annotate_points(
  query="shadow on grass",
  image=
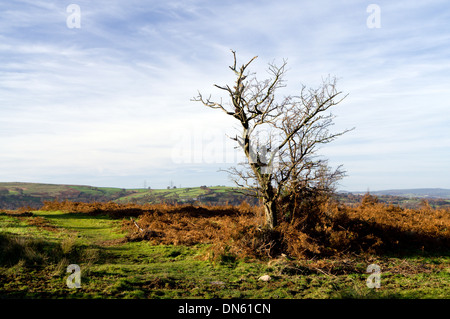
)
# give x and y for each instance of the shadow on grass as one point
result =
(38, 252)
(393, 241)
(364, 293)
(66, 216)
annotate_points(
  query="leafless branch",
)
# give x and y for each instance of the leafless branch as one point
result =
(301, 122)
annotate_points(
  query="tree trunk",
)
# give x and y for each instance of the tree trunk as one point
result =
(268, 197)
(271, 213)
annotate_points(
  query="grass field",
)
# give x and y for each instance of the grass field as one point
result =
(36, 250)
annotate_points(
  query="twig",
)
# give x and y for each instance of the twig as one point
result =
(136, 224)
(323, 272)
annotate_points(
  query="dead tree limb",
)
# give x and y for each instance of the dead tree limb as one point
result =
(136, 224)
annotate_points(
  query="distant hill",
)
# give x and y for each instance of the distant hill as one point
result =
(16, 195)
(413, 193)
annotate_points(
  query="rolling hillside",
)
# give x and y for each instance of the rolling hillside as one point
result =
(16, 195)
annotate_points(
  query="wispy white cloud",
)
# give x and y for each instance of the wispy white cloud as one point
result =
(110, 99)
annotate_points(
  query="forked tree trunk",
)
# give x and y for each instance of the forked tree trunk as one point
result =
(300, 121)
(268, 200)
(270, 213)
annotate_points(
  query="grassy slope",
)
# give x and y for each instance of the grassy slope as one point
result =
(51, 191)
(187, 193)
(111, 269)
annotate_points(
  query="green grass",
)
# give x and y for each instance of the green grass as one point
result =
(89, 229)
(187, 193)
(114, 269)
(106, 191)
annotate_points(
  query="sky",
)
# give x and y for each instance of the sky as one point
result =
(100, 92)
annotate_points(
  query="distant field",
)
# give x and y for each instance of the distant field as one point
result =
(16, 195)
(180, 194)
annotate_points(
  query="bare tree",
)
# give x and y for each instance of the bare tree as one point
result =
(285, 158)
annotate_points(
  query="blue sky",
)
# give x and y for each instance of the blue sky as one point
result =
(109, 103)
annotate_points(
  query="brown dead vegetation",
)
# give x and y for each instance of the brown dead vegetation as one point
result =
(42, 223)
(328, 229)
